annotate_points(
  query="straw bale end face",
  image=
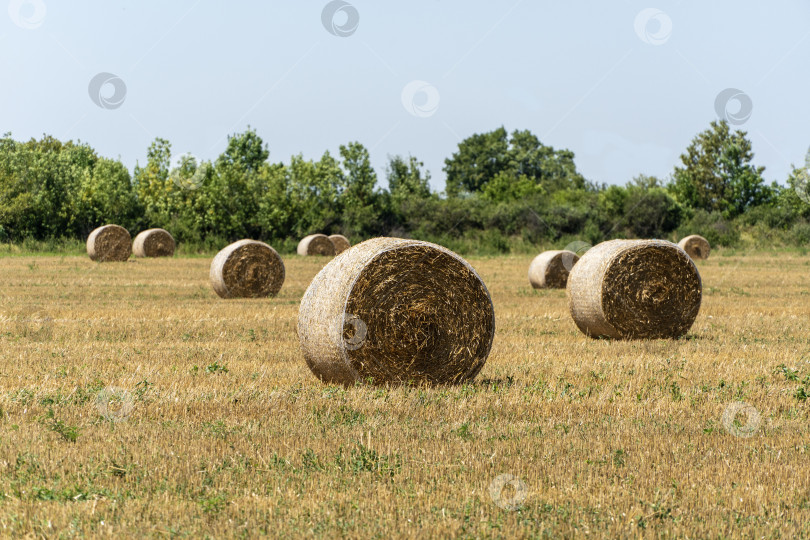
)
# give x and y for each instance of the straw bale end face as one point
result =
(340, 243)
(635, 289)
(153, 243)
(550, 269)
(109, 243)
(390, 310)
(695, 246)
(316, 244)
(247, 269)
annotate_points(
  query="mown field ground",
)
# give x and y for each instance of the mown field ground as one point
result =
(134, 402)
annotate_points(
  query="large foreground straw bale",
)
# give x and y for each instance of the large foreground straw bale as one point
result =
(634, 289)
(153, 243)
(550, 269)
(390, 310)
(316, 244)
(247, 269)
(696, 246)
(340, 242)
(109, 243)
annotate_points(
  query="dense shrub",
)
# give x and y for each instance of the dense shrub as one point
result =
(713, 227)
(505, 193)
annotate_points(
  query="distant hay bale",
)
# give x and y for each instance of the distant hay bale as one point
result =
(316, 244)
(696, 246)
(391, 310)
(550, 269)
(247, 269)
(340, 242)
(634, 289)
(109, 243)
(153, 243)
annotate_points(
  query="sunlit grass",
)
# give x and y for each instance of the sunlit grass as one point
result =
(214, 424)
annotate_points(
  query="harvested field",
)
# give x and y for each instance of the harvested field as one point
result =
(134, 402)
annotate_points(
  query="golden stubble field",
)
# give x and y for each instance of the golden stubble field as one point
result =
(134, 402)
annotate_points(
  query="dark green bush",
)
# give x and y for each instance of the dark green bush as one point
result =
(713, 227)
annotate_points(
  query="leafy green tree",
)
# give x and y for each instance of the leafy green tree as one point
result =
(275, 214)
(50, 189)
(407, 196)
(19, 191)
(221, 203)
(406, 179)
(641, 209)
(649, 210)
(154, 189)
(314, 188)
(482, 157)
(612, 201)
(479, 158)
(358, 199)
(552, 169)
(105, 195)
(229, 196)
(505, 188)
(505, 191)
(245, 150)
(717, 173)
(796, 196)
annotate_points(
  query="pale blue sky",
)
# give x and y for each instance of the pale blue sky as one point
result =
(577, 74)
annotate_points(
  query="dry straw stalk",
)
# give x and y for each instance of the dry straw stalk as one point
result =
(153, 243)
(316, 244)
(340, 242)
(696, 246)
(391, 310)
(634, 289)
(109, 243)
(247, 269)
(550, 269)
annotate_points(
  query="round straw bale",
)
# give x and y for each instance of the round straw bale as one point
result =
(634, 289)
(153, 243)
(109, 243)
(247, 269)
(695, 246)
(316, 244)
(340, 242)
(550, 269)
(391, 310)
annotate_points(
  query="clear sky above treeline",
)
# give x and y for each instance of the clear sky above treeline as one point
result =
(625, 84)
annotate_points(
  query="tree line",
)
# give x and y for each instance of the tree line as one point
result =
(504, 192)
